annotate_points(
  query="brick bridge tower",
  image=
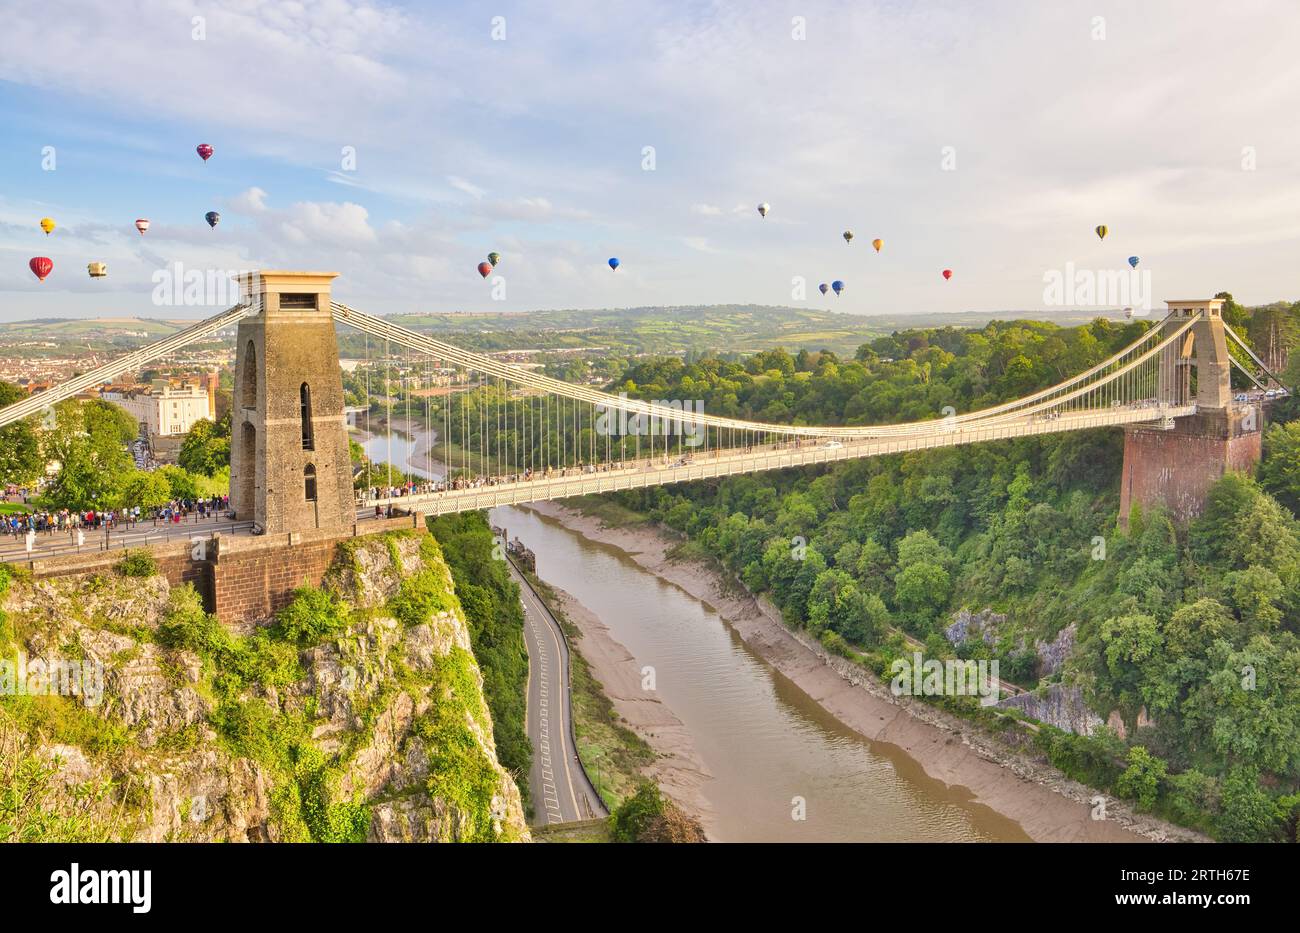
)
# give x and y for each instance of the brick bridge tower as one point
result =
(1177, 466)
(290, 469)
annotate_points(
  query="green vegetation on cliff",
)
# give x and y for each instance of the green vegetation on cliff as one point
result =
(356, 714)
(490, 600)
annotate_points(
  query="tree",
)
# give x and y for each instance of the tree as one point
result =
(20, 449)
(1130, 649)
(922, 585)
(206, 448)
(1141, 780)
(1248, 815)
(88, 441)
(1279, 472)
(180, 483)
(145, 490)
(921, 589)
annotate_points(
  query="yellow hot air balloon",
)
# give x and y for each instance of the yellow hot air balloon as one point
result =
(47, 224)
(877, 243)
(97, 270)
(1101, 231)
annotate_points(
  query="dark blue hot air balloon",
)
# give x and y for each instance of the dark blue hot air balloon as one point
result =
(613, 262)
(838, 286)
(1133, 261)
(824, 288)
(213, 218)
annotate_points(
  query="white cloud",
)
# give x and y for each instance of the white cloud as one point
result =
(461, 184)
(249, 201)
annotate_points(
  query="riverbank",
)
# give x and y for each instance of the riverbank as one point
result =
(1048, 806)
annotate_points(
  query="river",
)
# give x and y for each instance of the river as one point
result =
(406, 445)
(763, 739)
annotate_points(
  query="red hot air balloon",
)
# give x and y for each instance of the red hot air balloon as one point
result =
(204, 151)
(947, 273)
(142, 225)
(41, 267)
(485, 269)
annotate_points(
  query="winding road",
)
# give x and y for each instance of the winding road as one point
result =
(560, 789)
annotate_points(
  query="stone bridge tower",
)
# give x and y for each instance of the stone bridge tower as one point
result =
(290, 469)
(1177, 465)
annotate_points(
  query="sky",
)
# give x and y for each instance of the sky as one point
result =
(987, 138)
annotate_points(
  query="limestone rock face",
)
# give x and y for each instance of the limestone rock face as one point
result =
(377, 731)
(1057, 705)
(967, 625)
(1053, 654)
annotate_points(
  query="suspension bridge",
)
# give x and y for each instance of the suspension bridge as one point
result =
(511, 435)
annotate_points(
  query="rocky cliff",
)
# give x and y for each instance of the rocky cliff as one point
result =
(356, 714)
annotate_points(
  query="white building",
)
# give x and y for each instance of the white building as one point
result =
(170, 409)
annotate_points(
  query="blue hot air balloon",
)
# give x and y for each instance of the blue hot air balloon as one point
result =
(838, 286)
(824, 288)
(213, 218)
(1133, 261)
(613, 262)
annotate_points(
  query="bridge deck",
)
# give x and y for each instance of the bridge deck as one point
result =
(714, 463)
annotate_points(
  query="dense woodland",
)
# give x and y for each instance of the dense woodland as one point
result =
(1196, 627)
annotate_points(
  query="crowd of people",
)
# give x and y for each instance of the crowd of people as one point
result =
(52, 521)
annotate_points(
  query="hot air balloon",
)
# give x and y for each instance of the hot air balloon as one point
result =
(485, 269)
(877, 243)
(213, 218)
(1101, 231)
(1133, 261)
(142, 225)
(838, 286)
(1128, 312)
(204, 151)
(763, 209)
(494, 258)
(97, 270)
(47, 224)
(848, 236)
(613, 262)
(41, 267)
(824, 288)
(947, 273)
